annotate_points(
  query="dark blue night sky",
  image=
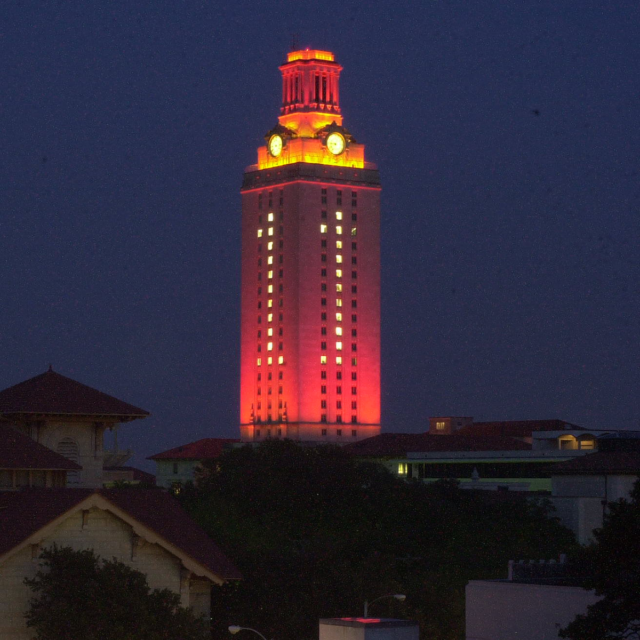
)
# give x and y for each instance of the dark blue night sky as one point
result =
(508, 141)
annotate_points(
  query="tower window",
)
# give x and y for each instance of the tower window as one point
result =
(323, 418)
(339, 214)
(354, 317)
(339, 390)
(323, 228)
(323, 346)
(280, 361)
(323, 196)
(354, 361)
(354, 303)
(323, 286)
(354, 217)
(323, 331)
(339, 230)
(338, 273)
(280, 376)
(354, 391)
(259, 233)
(338, 404)
(323, 359)
(339, 197)
(339, 316)
(354, 232)
(270, 217)
(354, 260)
(323, 375)
(323, 315)
(323, 244)
(259, 201)
(323, 273)
(323, 389)
(323, 214)
(323, 257)
(354, 333)
(338, 359)
(354, 405)
(338, 375)
(323, 404)
(354, 246)
(354, 288)
(323, 302)
(339, 259)
(354, 275)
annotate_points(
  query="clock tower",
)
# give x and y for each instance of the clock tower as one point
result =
(310, 326)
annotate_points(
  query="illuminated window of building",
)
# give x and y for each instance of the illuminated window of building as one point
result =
(440, 426)
(270, 246)
(269, 360)
(354, 361)
(270, 231)
(339, 316)
(323, 359)
(270, 260)
(568, 442)
(339, 259)
(338, 244)
(338, 287)
(270, 274)
(269, 317)
(338, 302)
(354, 375)
(338, 331)
(270, 289)
(259, 233)
(339, 346)
(338, 359)
(280, 361)
(402, 469)
(269, 346)
(338, 215)
(270, 217)
(323, 228)
(354, 391)
(354, 231)
(269, 303)
(259, 362)
(338, 273)
(339, 230)
(587, 443)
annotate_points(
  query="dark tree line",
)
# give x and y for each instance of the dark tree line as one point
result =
(316, 533)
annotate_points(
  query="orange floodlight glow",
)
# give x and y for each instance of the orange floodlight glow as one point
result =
(310, 54)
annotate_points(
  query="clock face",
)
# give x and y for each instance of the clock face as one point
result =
(335, 143)
(275, 145)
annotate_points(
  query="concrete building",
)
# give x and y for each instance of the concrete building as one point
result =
(533, 603)
(146, 530)
(181, 464)
(69, 418)
(310, 310)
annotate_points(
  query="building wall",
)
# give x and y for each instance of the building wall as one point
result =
(498, 610)
(166, 477)
(110, 537)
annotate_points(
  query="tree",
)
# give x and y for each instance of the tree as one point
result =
(78, 596)
(315, 533)
(611, 567)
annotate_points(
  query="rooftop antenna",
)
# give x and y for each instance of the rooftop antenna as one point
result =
(295, 44)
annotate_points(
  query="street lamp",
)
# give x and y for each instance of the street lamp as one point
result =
(234, 628)
(398, 596)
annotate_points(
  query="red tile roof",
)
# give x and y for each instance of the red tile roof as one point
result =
(51, 393)
(514, 428)
(399, 444)
(204, 449)
(601, 462)
(18, 451)
(23, 513)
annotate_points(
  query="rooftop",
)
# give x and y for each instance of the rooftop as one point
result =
(601, 462)
(515, 428)
(53, 394)
(18, 451)
(204, 449)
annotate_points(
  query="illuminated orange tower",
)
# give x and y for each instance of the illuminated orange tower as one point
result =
(310, 335)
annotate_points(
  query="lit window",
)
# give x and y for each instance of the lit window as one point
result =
(270, 231)
(323, 359)
(339, 230)
(269, 331)
(338, 273)
(270, 217)
(269, 360)
(338, 215)
(338, 302)
(339, 317)
(270, 246)
(353, 231)
(270, 260)
(338, 359)
(259, 233)
(323, 228)
(338, 331)
(402, 469)
(338, 287)
(269, 274)
(280, 359)
(440, 426)
(338, 244)
(259, 362)
(270, 288)
(339, 259)
(354, 361)
(339, 346)
(269, 346)
(270, 317)
(269, 303)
